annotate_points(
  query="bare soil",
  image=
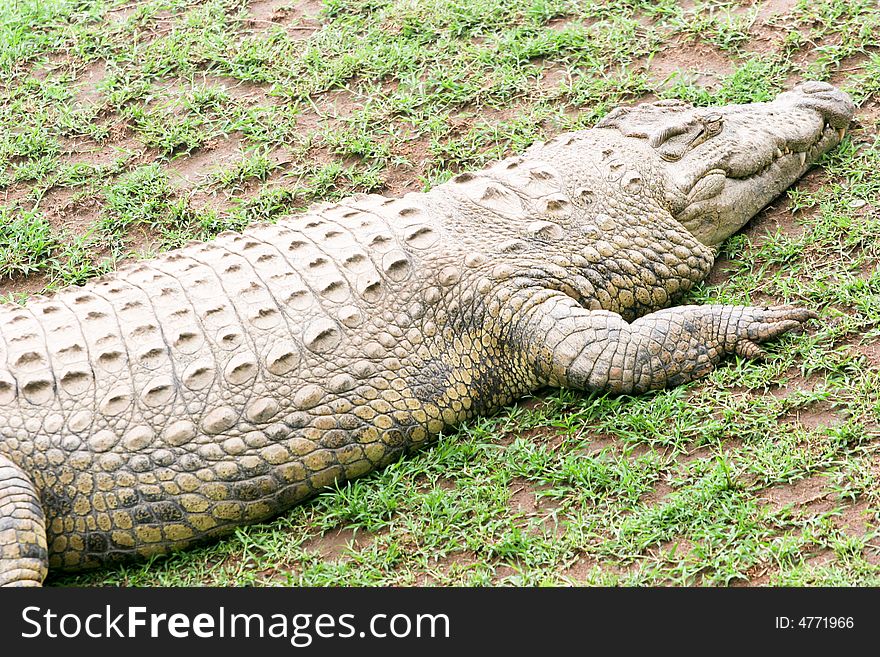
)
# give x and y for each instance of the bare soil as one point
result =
(796, 494)
(336, 542)
(526, 498)
(193, 168)
(696, 62)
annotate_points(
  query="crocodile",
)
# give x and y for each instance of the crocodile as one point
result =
(221, 383)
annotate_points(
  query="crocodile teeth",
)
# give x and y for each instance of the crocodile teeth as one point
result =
(841, 133)
(778, 153)
(803, 156)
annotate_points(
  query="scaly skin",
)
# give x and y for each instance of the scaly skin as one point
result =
(224, 382)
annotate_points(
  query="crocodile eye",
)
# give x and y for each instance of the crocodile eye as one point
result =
(713, 123)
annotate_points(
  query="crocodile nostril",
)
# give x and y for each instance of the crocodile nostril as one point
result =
(834, 105)
(814, 87)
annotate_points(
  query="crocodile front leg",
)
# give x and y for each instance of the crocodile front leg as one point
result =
(599, 351)
(23, 553)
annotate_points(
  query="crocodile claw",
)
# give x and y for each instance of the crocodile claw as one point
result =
(769, 323)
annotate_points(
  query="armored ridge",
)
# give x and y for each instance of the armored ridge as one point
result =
(224, 382)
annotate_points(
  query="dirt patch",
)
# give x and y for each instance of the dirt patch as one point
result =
(44, 68)
(472, 114)
(695, 62)
(336, 542)
(803, 492)
(581, 571)
(635, 451)
(871, 352)
(302, 21)
(539, 435)
(600, 442)
(758, 575)
(675, 549)
(308, 122)
(84, 150)
(502, 572)
(268, 10)
(192, 169)
(660, 492)
(121, 143)
(251, 93)
(218, 200)
(773, 8)
(16, 194)
(776, 219)
(597, 444)
(158, 26)
(526, 498)
(794, 383)
(89, 80)
(122, 14)
(196, 169)
(582, 568)
(809, 57)
(337, 103)
(424, 485)
(868, 120)
(446, 484)
(721, 271)
(26, 285)
(299, 19)
(141, 239)
(768, 28)
(211, 196)
(847, 67)
(403, 178)
(814, 416)
(454, 563)
(857, 519)
(553, 78)
(562, 22)
(398, 180)
(703, 452)
(820, 558)
(68, 212)
(871, 552)
(531, 403)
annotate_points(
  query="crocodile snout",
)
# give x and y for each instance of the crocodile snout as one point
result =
(835, 106)
(760, 150)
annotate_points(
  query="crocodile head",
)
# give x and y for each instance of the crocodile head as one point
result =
(716, 167)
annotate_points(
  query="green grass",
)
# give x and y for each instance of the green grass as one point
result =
(128, 128)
